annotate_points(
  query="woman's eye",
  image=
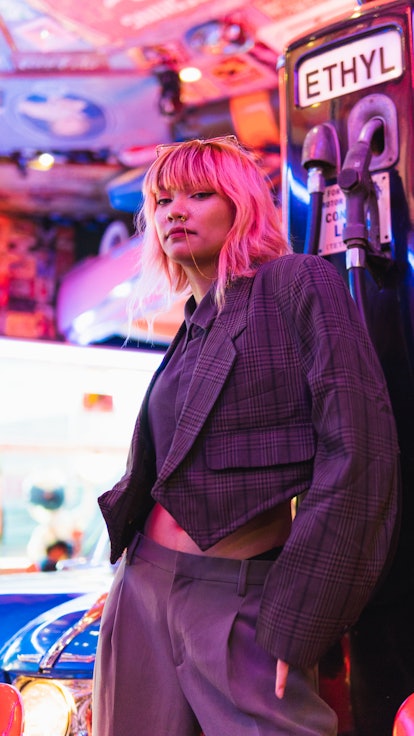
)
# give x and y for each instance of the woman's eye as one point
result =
(163, 200)
(202, 195)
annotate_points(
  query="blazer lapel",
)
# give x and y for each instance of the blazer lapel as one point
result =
(210, 373)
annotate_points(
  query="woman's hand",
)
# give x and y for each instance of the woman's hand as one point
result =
(282, 670)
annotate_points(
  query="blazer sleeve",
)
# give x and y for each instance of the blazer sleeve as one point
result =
(343, 531)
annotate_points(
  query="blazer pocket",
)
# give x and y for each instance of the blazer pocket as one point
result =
(260, 447)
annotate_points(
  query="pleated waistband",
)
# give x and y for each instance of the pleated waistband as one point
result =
(201, 567)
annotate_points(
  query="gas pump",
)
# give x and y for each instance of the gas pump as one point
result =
(347, 140)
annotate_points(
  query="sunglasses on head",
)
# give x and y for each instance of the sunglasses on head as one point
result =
(204, 141)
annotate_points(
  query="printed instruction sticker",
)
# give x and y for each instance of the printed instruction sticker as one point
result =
(334, 215)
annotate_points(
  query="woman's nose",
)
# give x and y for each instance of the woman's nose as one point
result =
(174, 215)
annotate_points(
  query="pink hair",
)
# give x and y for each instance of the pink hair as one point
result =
(225, 167)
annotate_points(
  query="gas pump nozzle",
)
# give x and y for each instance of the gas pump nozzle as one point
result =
(355, 181)
(321, 158)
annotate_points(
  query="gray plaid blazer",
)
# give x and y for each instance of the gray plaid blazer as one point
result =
(287, 396)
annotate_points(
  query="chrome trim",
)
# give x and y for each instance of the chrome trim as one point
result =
(32, 658)
(49, 659)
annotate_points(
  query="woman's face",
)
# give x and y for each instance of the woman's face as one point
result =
(192, 227)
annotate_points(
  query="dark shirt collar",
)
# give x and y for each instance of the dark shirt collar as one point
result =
(201, 314)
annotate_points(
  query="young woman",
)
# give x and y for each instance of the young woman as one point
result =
(222, 605)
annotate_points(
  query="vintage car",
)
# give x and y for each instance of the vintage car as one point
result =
(50, 662)
(48, 635)
(25, 595)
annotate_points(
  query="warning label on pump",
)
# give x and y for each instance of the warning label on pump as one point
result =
(334, 215)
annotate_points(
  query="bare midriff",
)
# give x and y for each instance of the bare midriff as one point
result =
(262, 533)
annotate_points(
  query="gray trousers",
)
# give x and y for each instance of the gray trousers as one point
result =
(177, 654)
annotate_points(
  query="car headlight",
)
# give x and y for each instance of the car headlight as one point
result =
(47, 709)
(55, 707)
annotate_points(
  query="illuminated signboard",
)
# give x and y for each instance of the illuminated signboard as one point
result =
(363, 62)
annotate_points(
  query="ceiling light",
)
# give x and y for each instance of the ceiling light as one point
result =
(190, 74)
(43, 162)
